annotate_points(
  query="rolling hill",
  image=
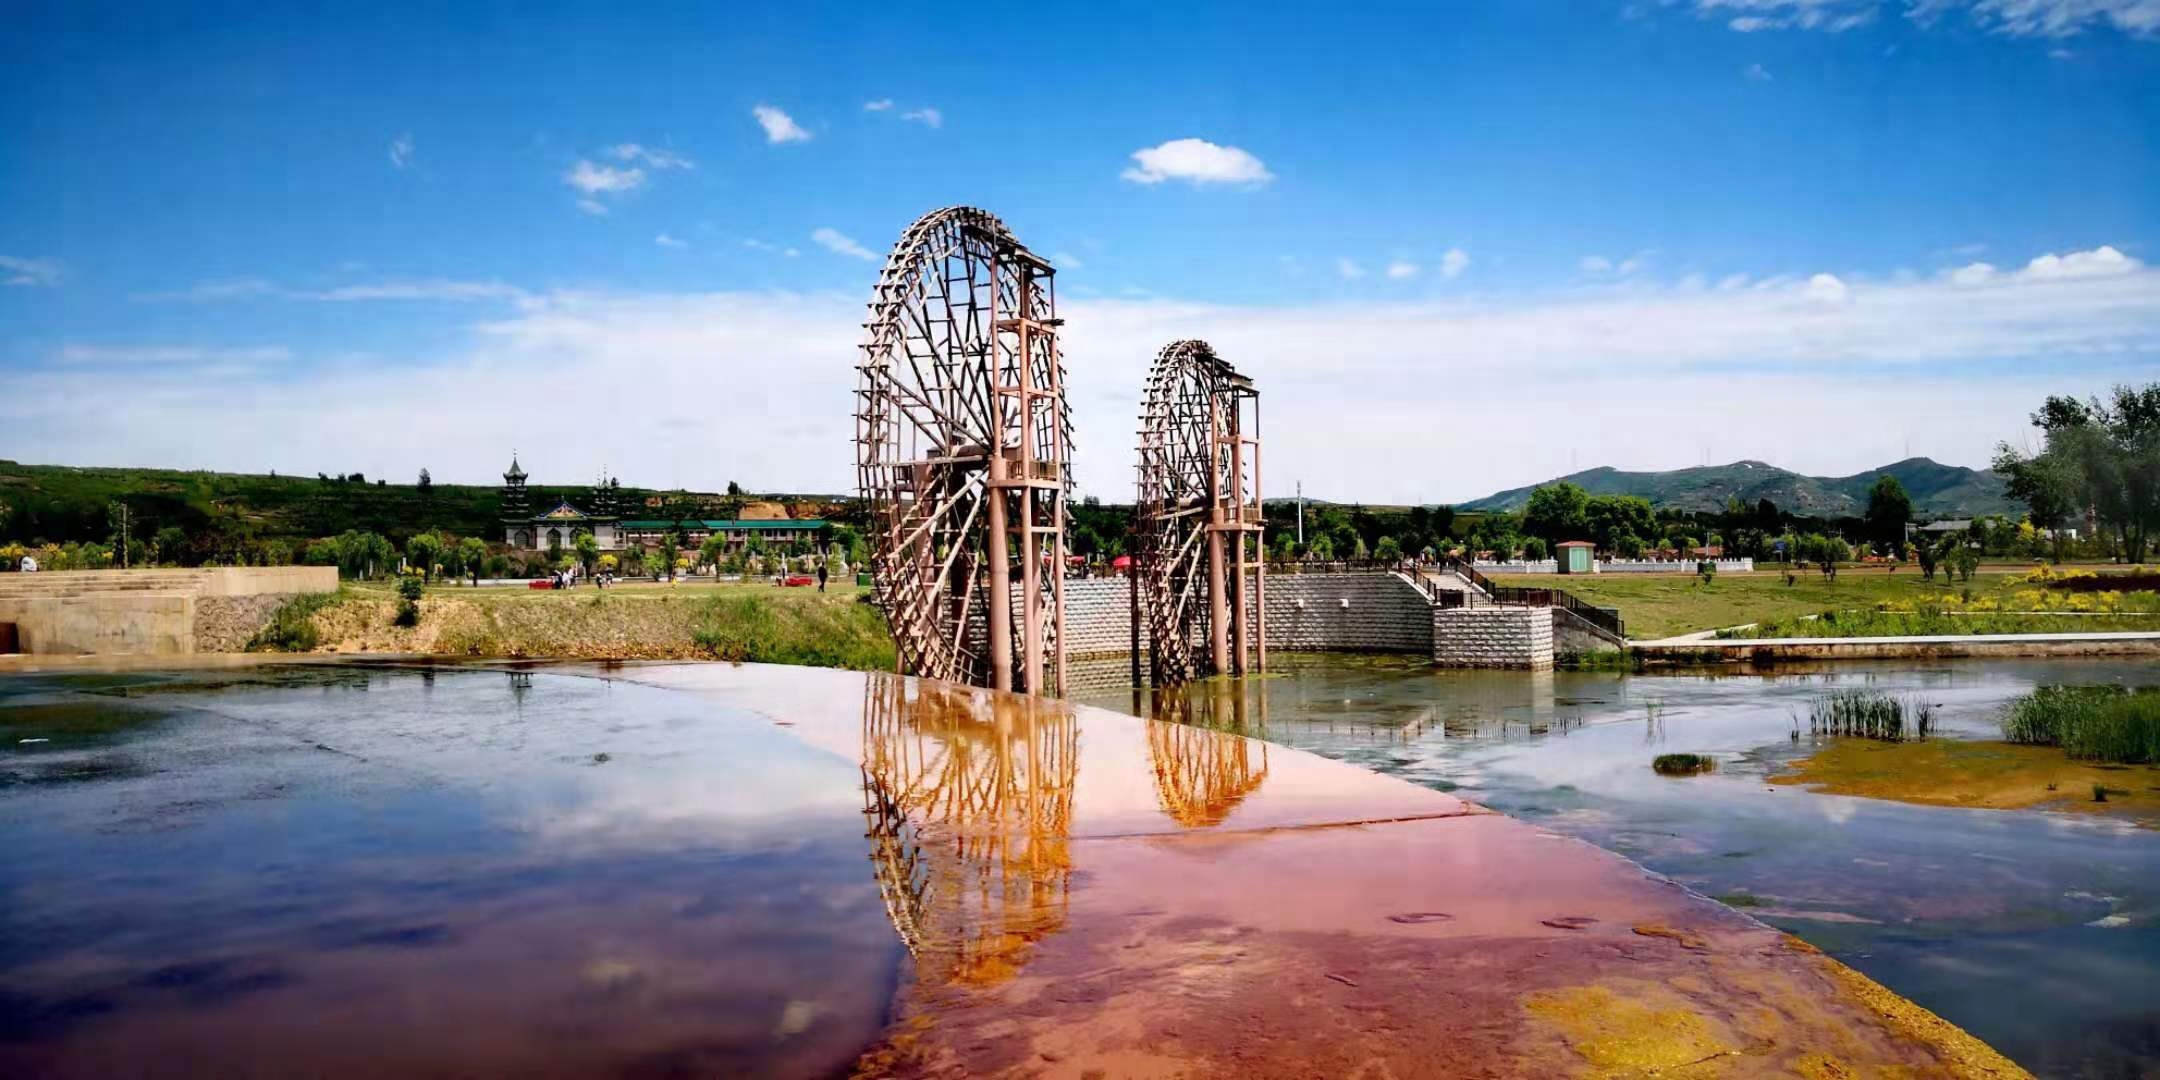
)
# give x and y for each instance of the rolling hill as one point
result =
(1937, 490)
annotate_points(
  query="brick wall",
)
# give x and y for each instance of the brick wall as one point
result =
(1495, 637)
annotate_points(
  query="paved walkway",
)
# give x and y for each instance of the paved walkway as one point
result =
(1086, 894)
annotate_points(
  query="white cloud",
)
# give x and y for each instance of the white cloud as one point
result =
(1401, 269)
(433, 289)
(1454, 263)
(658, 159)
(1827, 289)
(1349, 269)
(1916, 358)
(1594, 264)
(927, 117)
(401, 151)
(1757, 73)
(1733, 281)
(181, 355)
(430, 289)
(1766, 369)
(2103, 261)
(1066, 260)
(1197, 162)
(2058, 18)
(779, 126)
(2014, 18)
(17, 270)
(598, 180)
(834, 241)
(666, 241)
(1751, 16)
(880, 105)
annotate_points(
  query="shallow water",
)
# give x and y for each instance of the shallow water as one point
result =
(2039, 932)
(312, 871)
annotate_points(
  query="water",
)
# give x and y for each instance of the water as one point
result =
(2038, 932)
(320, 871)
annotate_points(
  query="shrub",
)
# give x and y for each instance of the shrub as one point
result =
(409, 591)
(292, 626)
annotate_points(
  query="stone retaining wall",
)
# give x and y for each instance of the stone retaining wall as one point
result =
(228, 623)
(1494, 637)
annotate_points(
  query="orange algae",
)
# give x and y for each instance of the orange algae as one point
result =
(1978, 774)
(1649, 1033)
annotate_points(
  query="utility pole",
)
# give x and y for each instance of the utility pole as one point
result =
(1301, 513)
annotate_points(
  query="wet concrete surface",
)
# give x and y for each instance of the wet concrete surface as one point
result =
(694, 869)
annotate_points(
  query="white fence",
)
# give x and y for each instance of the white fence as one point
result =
(1619, 566)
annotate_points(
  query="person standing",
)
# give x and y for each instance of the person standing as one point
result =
(821, 576)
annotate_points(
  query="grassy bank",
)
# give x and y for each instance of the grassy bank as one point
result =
(1665, 605)
(749, 622)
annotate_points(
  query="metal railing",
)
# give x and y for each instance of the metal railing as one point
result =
(1521, 596)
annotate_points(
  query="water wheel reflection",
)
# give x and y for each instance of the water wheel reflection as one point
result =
(968, 801)
(1201, 773)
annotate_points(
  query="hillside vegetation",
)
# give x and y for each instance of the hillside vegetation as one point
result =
(60, 503)
(1937, 490)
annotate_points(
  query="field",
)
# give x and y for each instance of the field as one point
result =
(747, 622)
(1665, 605)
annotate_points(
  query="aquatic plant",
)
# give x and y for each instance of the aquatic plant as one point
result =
(1868, 714)
(2091, 723)
(1683, 764)
(2100, 793)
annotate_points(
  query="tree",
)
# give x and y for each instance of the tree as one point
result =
(422, 551)
(2104, 454)
(1925, 552)
(1533, 548)
(1889, 510)
(713, 551)
(670, 547)
(1389, 550)
(1557, 512)
(472, 553)
(1619, 523)
(427, 484)
(2047, 484)
(169, 546)
(588, 550)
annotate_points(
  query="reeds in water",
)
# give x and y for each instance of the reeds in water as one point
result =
(2093, 723)
(1869, 714)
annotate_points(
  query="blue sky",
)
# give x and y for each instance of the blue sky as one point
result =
(1815, 232)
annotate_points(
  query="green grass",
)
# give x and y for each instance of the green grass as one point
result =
(1665, 605)
(2090, 723)
(758, 629)
(1924, 623)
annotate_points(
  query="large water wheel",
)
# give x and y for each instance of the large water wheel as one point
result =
(962, 449)
(1198, 574)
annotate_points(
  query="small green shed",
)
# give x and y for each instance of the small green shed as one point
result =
(1576, 556)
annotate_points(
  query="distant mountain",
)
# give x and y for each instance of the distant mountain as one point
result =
(1937, 490)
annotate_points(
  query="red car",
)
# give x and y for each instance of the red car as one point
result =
(797, 580)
